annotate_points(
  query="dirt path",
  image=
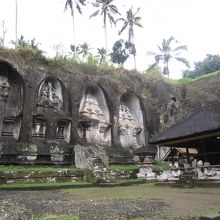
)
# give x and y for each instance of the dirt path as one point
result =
(142, 201)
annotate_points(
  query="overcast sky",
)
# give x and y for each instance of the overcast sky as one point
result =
(194, 23)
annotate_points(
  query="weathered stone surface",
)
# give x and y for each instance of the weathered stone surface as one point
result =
(84, 155)
(146, 173)
(42, 104)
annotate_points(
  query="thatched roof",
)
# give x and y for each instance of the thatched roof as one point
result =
(201, 122)
(149, 150)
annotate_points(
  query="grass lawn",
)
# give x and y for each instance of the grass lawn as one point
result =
(6, 168)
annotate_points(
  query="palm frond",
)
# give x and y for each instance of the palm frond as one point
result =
(158, 58)
(82, 2)
(78, 8)
(160, 49)
(152, 66)
(69, 4)
(94, 14)
(182, 47)
(111, 19)
(119, 19)
(138, 24)
(114, 9)
(183, 60)
(170, 40)
(123, 28)
(95, 4)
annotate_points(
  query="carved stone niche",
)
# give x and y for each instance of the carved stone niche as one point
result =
(11, 101)
(130, 122)
(63, 130)
(4, 87)
(50, 95)
(11, 126)
(94, 119)
(39, 127)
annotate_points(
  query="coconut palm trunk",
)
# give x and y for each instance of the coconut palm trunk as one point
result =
(16, 21)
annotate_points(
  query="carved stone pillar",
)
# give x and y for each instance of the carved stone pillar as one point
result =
(4, 94)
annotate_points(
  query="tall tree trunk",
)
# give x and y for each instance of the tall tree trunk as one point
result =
(106, 41)
(2, 43)
(135, 64)
(16, 21)
(74, 35)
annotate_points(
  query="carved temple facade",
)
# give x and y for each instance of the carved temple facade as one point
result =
(42, 118)
(56, 117)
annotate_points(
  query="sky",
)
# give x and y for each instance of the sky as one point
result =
(194, 23)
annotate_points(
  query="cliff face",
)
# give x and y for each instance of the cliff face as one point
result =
(47, 111)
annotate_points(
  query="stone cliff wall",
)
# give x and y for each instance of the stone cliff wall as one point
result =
(46, 111)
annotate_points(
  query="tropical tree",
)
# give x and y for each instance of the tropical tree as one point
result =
(209, 64)
(102, 56)
(167, 53)
(129, 23)
(72, 4)
(74, 51)
(2, 39)
(121, 51)
(107, 10)
(84, 50)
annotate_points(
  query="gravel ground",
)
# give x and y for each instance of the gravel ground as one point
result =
(163, 203)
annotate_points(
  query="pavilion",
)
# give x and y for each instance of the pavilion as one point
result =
(200, 130)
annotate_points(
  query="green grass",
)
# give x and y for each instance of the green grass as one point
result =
(127, 167)
(42, 169)
(187, 81)
(57, 217)
(160, 166)
(208, 211)
(69, 185)
(44, 185)
(45, 169)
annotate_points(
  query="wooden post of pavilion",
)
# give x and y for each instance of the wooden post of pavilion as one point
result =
(187, 153)
(172, 156)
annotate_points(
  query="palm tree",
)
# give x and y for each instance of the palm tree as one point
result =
(107, 10)
(70, 4)
(130, 22)
(84, 50)
(74, 51)
(166, 54)
(102, 55)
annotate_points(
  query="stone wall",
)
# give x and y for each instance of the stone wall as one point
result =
(46, 111)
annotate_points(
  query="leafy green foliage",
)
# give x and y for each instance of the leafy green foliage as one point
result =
(210, 64)
(26, 43)
(84, 50)
(102, 56)
(160, 166)
(166, 53)
(121, 51)
(29, 49)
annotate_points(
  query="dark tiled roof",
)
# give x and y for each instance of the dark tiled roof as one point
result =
(149, 150)
(200, 122)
